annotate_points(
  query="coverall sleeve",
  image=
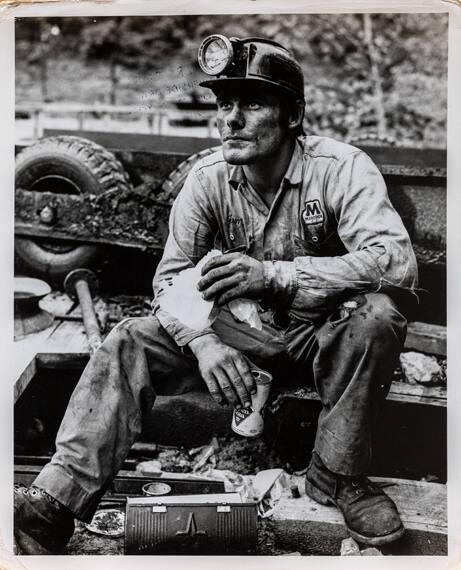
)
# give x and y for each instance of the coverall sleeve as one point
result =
(191, 236)
(380, 255)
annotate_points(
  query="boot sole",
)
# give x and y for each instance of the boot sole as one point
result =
(315, 493)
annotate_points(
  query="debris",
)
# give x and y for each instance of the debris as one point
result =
(203, 457)
(349, 547)
(295, 491)
(419, 368)
(108, 522)
(175, 461)
(291, 554)
(153, 467)
(268, 486)
(144, 448)
(196, 450)
(245, 455)
(371, 552)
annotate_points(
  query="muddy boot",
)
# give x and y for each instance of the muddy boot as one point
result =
(41, 524)
(371, 517)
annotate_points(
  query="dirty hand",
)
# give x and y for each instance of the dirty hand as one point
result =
(230, 276)
(226, 371)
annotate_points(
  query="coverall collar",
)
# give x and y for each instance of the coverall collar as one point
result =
(293, 174)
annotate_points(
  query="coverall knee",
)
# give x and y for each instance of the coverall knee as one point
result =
(358, 349)
(103, 417)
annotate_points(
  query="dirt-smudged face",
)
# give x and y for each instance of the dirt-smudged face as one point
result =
(249, 121)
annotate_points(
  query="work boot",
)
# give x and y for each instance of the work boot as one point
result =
(371, 517)
(41, 524)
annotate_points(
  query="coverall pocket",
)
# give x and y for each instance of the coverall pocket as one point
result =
(236, 234)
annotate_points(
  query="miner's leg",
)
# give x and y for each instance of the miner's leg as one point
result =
(102, 420)
(358, 349)
(136, 361)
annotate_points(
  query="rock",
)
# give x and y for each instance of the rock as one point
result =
(349, 547)
(371, 552)
(419, 368)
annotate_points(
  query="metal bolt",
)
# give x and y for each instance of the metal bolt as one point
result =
(47, 215)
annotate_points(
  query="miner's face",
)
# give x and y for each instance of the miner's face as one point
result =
(251, 123)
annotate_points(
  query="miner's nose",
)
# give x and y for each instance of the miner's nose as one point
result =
(235, 118)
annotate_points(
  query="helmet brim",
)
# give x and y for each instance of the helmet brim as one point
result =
(215, 84)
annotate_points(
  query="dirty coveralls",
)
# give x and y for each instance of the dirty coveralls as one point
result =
(331, 236)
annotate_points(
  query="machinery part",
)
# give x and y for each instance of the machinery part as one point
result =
(28, 316)
(175, 181)
(82, 284)
(64, 165)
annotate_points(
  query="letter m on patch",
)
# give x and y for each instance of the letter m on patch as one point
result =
(312, 213)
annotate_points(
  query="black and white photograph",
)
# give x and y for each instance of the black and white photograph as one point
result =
(230, 285)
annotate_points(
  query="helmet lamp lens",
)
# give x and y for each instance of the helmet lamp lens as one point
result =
(215, 54)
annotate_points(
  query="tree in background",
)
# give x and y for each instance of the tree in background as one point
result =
(380, 74)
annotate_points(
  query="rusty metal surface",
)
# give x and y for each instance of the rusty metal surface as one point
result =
(126, 218)
(416, 180)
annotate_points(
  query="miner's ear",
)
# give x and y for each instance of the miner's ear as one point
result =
(296, 116)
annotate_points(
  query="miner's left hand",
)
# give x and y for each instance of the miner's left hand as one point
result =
(230, 276)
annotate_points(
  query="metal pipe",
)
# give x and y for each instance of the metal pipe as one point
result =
(90, 321)
(82, 284)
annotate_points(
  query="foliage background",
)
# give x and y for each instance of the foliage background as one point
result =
(366, 75)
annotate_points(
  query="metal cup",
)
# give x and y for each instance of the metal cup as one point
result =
(249, 421)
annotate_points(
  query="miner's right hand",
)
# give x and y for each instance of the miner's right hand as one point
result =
(226, 371)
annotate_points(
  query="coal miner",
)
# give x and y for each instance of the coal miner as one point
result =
(307, 231)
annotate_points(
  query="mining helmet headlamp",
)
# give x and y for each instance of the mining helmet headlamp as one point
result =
(257, 59)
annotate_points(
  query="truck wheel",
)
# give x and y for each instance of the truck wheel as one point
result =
(64, 165)
(175, 181)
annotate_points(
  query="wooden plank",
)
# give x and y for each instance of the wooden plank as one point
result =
(425, 337)
(24, 379)
(66, 347)
(69, 337)
(399, 392)
(319, 529)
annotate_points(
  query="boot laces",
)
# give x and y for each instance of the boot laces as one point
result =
(363, 486)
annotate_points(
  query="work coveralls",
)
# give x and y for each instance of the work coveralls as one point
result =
(338, 263)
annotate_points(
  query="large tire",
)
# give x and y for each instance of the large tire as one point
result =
(65, 165)
(175, 181)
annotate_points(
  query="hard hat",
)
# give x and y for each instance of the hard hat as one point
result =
(258, 59)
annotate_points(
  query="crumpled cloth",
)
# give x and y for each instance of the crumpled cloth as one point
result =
(184, 301)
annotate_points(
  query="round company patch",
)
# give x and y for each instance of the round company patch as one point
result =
(312, 213)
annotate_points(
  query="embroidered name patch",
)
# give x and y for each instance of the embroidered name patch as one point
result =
(312, 213)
